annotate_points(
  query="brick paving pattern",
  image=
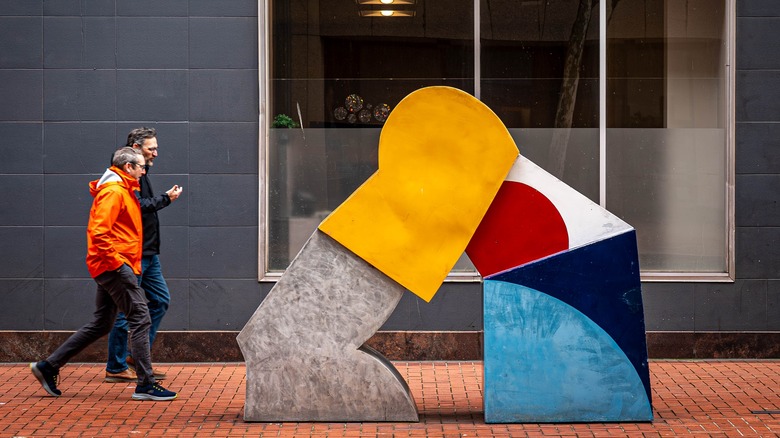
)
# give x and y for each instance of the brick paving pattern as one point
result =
(690, 398)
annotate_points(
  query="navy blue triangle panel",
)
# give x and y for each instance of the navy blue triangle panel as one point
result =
(600, 280)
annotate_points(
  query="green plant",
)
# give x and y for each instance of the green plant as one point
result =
(283, 121)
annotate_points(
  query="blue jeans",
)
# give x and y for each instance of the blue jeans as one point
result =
(158, 298)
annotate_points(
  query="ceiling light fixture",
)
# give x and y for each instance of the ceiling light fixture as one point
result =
(386, 13)
(386, 2)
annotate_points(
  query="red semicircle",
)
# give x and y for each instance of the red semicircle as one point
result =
(520, 226)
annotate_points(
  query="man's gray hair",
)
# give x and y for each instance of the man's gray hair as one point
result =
(126, 155)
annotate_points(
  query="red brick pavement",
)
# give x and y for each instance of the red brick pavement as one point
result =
(701, 398)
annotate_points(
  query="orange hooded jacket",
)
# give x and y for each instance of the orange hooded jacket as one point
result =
(114, 231)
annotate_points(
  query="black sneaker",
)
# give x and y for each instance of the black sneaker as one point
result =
(47, 375)
(153, 392)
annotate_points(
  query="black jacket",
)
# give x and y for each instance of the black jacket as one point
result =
(149, 206)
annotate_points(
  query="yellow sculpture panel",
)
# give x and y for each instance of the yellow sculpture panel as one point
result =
(443, 155)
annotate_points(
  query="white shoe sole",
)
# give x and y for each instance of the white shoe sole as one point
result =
(148, 397)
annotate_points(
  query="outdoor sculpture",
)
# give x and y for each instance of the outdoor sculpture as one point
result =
(564, 327)
(442, 157)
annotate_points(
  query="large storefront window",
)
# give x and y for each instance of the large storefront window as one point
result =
(335, 69)
(668, 128)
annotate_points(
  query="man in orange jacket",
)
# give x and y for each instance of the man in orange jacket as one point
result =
(114, 246)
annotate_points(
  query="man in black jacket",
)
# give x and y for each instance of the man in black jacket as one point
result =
(119, 367)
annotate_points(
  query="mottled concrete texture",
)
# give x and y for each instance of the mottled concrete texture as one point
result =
(304, 346)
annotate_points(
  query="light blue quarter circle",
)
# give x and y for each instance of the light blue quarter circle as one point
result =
(547, 362)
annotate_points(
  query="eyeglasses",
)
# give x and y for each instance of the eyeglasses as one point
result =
(136, 164)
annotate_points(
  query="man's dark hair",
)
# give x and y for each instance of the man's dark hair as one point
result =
(139, 135)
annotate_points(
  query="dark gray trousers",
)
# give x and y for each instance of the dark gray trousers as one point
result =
(115, 289)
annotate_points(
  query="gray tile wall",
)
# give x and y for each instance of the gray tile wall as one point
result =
(78, 75)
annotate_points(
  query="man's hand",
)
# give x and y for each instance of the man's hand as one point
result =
(174, 192)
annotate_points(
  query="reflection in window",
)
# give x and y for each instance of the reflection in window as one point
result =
(540, 75)
(667, 130)
(339, 74)
(338, 68)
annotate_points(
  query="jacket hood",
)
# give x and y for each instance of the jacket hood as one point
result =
(113, 176)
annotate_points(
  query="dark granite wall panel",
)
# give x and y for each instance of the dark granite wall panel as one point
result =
(228, 8)
(223, 252)
(759, 252)
(22, 254)
(152, 8)
(22, 39)
(65, 252)
(758, 8)
(22, 147)
(669, 306)
(222, 304)
(152, 43)
(758, 148)
(224, 147)
(22, 307)
(457, 306)
(80, 7)
(177, 317)
(223, 200)
(758, 95)
(213, 43)
(21, 202)
(68, 303)
(757, 200)
(22, 95)
(223, 95)
(95, 145)
(757, 37)
(733, 307)
(76, 95)
(79, 42)
(21, 7)
(174, 249)
(67, 199)
(165, 95)
(773, 304)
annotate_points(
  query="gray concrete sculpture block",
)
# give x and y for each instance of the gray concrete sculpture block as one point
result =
(303, 347)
